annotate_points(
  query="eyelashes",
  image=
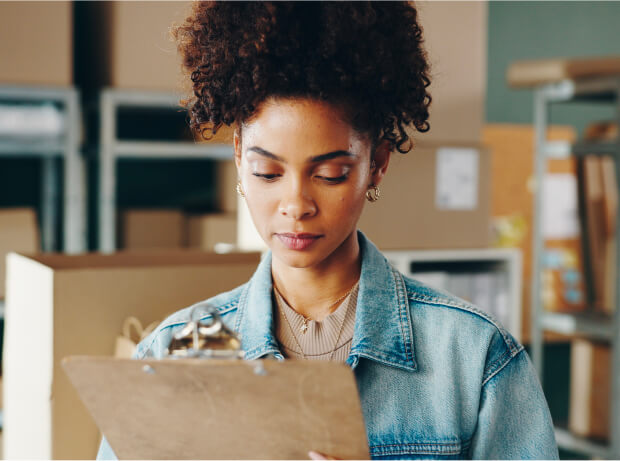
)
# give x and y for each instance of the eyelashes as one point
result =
(337, 180)
(327, 179)
(266, 177)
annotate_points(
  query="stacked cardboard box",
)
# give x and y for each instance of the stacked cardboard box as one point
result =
(174, 229)
(154, 228)
(455, 37)
(59, 305)
(226, 177)
(437, 196)
(207, 231)
(599, 198)
(36, 43)
(18, 232)
(129, 44)
(590, 385)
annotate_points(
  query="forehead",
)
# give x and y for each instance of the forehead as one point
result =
(300, 127)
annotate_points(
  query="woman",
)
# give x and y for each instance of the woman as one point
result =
(320, 94)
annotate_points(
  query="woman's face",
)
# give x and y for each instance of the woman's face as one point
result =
(304, 173)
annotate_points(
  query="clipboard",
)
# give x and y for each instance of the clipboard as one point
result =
(200, 408)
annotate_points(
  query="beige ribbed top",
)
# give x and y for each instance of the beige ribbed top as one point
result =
(320, 338)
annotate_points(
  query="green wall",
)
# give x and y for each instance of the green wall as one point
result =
(532, 30)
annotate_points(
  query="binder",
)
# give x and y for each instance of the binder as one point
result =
(196, 406)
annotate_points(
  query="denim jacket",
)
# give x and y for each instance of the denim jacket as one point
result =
(437, 378)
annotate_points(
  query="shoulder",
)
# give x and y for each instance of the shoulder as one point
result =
(437, 311)
(155, 344)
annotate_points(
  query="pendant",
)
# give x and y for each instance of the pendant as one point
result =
(304, 327)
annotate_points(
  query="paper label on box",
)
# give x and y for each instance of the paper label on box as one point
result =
(560, 217)
(457, 179)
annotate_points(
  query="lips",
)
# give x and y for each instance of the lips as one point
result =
(299, 241)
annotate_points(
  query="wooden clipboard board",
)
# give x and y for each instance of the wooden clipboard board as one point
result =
(222, 409)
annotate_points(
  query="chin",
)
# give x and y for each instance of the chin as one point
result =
(296, 259)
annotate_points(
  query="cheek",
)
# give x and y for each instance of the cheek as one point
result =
(345, 205)
(261, 203)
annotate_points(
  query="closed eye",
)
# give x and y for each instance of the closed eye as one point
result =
(267, 177)
(333, 180)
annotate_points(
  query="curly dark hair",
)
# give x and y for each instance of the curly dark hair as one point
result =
(365, 57)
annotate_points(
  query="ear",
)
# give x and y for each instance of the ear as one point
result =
(382, 160)
(237, 148)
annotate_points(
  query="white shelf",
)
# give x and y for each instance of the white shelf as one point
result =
(506, 260)
(595, 327)
(568, 441)
(590, 325)
(112, 148)
(590, 89)
(65, 145)
(465, 254)
(557, 149)
(31, 147)
(167, 149)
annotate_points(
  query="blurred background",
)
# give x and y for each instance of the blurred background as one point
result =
(112, 215)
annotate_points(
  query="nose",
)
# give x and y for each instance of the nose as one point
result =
(296, 201)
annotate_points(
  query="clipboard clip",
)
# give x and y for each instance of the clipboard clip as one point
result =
(205, 339)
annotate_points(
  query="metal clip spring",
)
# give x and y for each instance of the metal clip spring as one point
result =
(207, 338)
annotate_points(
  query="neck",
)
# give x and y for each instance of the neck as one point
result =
(311, 291)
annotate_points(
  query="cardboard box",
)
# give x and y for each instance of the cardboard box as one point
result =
(60, 305)
(18, 232)
(226, 176)
(423, 206)
(207, 230)
(36, 43)
(590, 385)
(156, 228)
(455, 37)
(131, 46)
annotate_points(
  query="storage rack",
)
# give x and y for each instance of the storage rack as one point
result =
(605, 90)
(66, 146)
(111, 148)
(506, 260)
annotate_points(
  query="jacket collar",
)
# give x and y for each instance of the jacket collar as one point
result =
(383, 330)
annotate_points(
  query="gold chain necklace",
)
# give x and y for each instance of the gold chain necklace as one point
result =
(344, 318)
(304, 326)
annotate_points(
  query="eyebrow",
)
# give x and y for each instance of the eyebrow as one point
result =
(315, 159)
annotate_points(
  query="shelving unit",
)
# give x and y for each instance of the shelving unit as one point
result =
(587, 324)
(506, 261)
(111, 149)
(67, 146)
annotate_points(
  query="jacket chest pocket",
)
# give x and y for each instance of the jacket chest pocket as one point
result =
(421, 450)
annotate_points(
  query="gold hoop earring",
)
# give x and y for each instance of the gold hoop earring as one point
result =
(240, 190)
(373, 194)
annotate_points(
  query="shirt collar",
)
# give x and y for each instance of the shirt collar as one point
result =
(383, 330)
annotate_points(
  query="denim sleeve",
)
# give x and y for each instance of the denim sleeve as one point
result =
(514, 420)
(105, 451)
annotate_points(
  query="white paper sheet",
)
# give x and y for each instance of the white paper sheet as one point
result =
(457, 179)
(560, 219)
